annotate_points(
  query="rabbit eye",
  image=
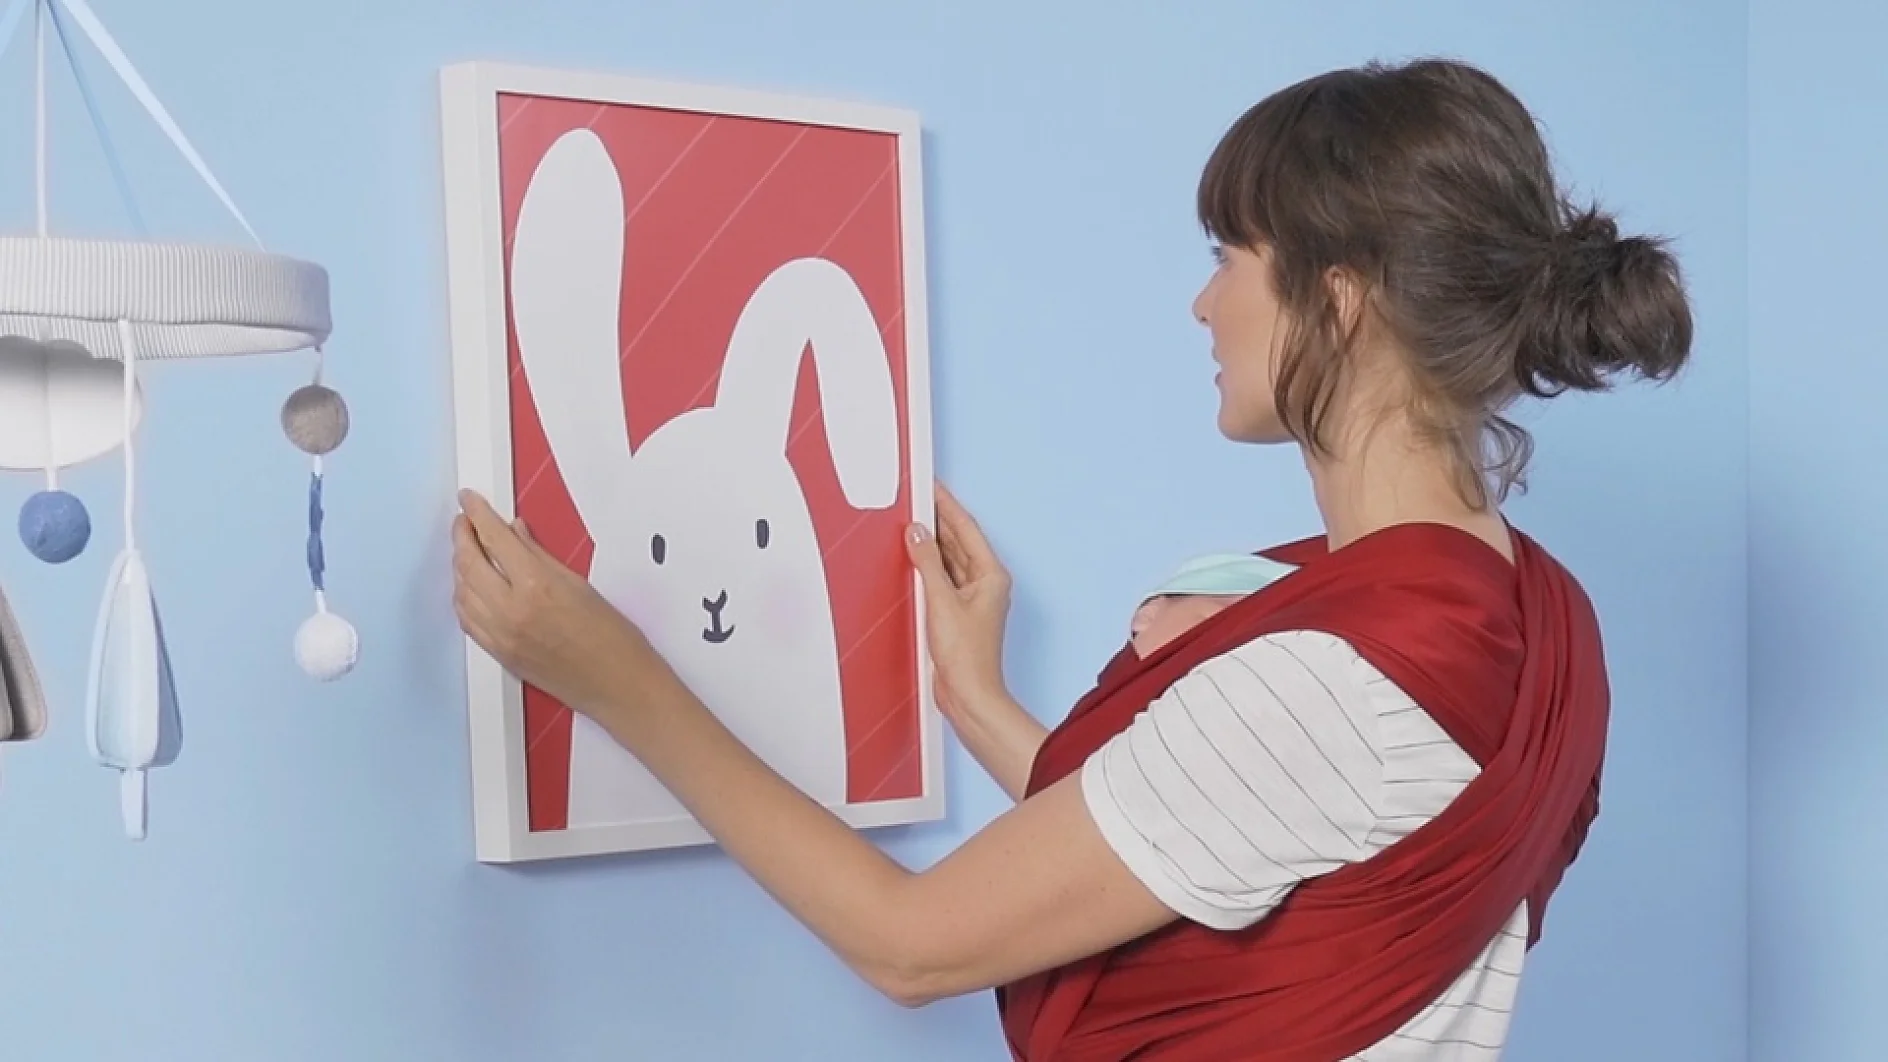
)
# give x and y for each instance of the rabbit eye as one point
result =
(658, 548)
(761, 533)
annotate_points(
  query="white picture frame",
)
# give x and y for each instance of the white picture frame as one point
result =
(481, 324)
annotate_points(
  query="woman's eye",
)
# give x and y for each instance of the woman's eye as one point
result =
(761, 533)
(658, 548)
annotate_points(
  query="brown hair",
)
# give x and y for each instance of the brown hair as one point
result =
(1430, 183)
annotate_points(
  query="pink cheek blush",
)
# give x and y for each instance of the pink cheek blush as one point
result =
(785, 605)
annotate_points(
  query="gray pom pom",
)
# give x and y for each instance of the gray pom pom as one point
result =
(315, 419)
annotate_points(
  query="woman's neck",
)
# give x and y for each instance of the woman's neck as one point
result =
(1390, 476)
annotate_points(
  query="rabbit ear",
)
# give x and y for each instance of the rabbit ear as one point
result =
(812, 300)
(566, 282)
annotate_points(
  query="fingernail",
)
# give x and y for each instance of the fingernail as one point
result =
(914, 534)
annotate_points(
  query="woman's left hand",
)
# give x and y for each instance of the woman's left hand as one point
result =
(541, 621)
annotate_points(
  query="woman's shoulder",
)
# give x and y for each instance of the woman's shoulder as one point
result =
(1305, 685)
(1283, 758)
(1323, 687)
(1327, 659)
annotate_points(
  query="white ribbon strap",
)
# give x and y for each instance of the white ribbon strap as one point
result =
(121, 65)
(129, 350)
(40, 11)
(10, 22)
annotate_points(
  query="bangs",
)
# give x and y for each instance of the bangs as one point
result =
(1249, 168)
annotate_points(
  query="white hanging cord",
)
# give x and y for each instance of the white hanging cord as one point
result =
(321, 358)
(39, 109)
(121, 65)
(52, 454)
(129, 350)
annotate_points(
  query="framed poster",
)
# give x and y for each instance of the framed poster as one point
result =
(689, 348)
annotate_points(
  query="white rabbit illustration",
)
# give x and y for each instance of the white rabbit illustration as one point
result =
(703, 536)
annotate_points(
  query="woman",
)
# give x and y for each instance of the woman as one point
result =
(1324, 823)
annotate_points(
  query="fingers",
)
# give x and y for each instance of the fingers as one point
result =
(954, 563)
(949, 552)
(922, 547)
(950, 541)
(957, 525)
(475, 617)
(473, 592)
(472, 568)
(494, 535)
(523, 531)
(966, 552)
(943, 494)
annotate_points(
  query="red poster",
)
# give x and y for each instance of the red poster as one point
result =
(710, 409)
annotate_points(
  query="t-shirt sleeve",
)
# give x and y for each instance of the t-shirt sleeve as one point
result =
(1257, 770)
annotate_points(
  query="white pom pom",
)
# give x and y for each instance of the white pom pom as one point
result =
(326, 646)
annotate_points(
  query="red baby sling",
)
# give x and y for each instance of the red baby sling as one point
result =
(1507, 659)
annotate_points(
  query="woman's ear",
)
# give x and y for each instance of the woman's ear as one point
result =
(1350, 301)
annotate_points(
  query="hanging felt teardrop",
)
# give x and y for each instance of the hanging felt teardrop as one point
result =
(55, 526)
(315, 419)
(132, 720)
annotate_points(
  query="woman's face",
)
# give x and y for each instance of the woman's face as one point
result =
(1240, 307)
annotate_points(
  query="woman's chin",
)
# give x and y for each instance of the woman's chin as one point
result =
(1258, 431)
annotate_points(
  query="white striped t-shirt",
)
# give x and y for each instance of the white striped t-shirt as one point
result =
(1278, 761)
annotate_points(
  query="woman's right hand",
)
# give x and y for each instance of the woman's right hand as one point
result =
(967, 600)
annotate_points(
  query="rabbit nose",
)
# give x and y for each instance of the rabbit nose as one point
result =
(716, 633)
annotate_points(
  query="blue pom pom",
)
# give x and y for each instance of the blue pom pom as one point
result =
(55, 526)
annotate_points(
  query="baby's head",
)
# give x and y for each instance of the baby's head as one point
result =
(1164, 617)
(1199, 590)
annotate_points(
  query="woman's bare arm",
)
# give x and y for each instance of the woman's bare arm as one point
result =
(1002, 736)
(1036, 888)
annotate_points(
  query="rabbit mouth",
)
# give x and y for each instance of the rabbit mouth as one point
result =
(715, 633)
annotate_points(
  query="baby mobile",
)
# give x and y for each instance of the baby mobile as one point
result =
(76, 318)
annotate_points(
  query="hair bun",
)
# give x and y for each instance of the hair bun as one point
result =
(1608, 304)
(1590, 231)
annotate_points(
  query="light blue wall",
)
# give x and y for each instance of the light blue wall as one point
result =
(309, 893)
(1819, 498)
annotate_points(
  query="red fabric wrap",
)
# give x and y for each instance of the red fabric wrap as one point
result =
(1507, 659)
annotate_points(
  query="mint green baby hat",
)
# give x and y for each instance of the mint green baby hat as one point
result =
(1235, 574)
